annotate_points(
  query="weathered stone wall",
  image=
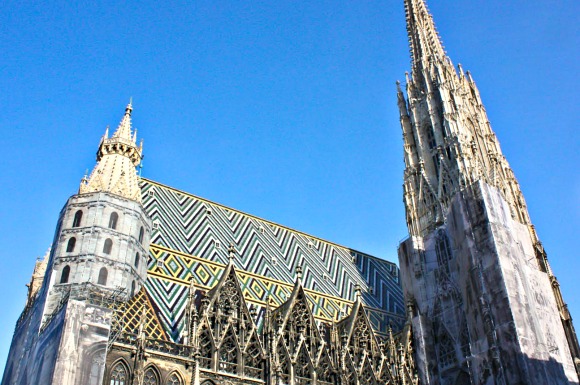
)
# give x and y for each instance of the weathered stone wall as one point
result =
(81, 358)
(69, 350)
(87, 256)
(32, 354)
(482, 306)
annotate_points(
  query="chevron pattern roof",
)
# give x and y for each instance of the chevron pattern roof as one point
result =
(190, 239)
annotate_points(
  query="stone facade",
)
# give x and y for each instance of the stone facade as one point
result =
(224, 345)
(135, 291)
(486, 306)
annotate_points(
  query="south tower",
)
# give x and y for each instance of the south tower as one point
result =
(486, 307)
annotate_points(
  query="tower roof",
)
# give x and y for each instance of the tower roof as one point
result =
(117, 158)
(424, 40)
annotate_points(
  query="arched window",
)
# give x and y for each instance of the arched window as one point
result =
(103, 273)
(70, 246)
(78, 218)
(443, 250)
(64, 275)
(136, 260)
(150, 377)
(113, 220)
(132, 288)
(174, 379)
(228, 355)
(119, 375)
(108, 246)
(141, 233)
(447, 355)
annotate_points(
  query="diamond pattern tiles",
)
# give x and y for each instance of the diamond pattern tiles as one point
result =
(131, 313)
(190, 239)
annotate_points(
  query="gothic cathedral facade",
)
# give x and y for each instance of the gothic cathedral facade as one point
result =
(148, 285)
(484, 304)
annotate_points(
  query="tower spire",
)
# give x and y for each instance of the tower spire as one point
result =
(425, 43)
(117, 159)
(453, 162)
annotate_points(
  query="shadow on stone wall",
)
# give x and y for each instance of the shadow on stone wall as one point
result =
(547, 372)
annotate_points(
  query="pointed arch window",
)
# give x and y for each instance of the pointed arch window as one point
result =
(65, 274)
(150, 377)
(108, 246)
(447, 356)
(141, 234)
(70, 246)
(205, 349)
(253, 360)
(431, 137)
(119, 375)
(174, 379)
(228, 354)
(78, 218)
(284, 360)
(443, 250)
(103, 274)
(132, 288)
(136, 263)
(113, 219)
(302, 368)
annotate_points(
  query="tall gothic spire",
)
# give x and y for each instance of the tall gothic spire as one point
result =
(117, 158)
(448, 140)
(450, 147)
(424, 40)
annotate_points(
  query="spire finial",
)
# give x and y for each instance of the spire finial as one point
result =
(129, 107)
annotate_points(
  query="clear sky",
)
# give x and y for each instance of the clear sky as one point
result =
(283, 109)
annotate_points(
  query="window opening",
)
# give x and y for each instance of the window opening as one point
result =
(446, 350)
(150, 378)
(78, 218)
(443, 250)
(119, 375)
(70, 246)
(113, 220)
(108, 246)
(103, 273)
(174, 379)
(65, 274)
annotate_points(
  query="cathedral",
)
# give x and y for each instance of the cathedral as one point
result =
(148, 285)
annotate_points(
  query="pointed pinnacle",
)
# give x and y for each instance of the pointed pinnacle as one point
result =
(357, 292)
(298, 273)
(424, 39)
(231, 252)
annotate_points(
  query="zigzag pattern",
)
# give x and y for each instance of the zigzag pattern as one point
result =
(190, 238)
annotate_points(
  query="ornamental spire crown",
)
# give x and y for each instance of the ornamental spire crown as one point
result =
(424, 40)
(117, 159)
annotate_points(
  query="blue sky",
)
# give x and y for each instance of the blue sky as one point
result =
(283, 109)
